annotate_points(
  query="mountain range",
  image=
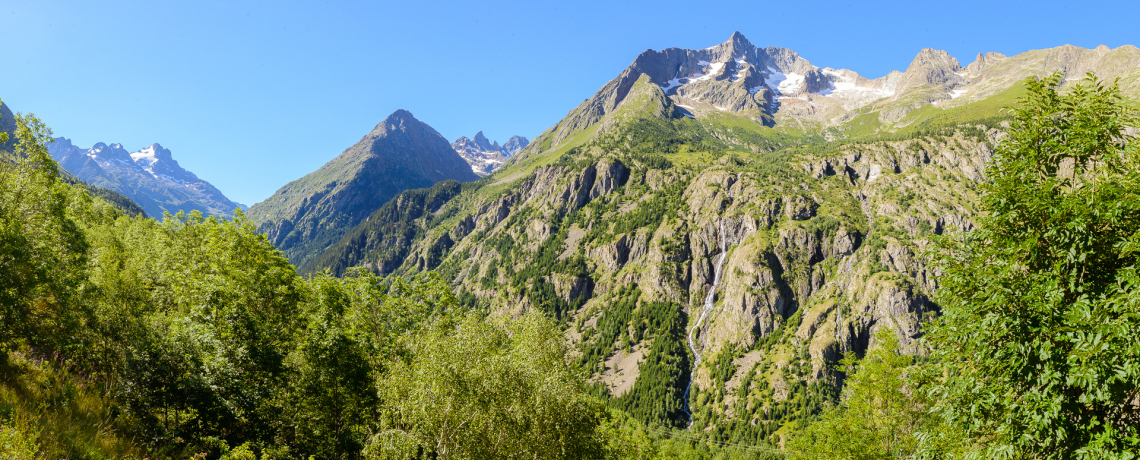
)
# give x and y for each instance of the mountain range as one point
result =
(151, 177)
(735, 218)
(484, 156)
(775, 86)
(714, 229)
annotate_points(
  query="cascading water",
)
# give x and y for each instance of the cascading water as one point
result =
(710, 302)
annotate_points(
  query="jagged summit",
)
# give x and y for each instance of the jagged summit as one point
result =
(399, 115)
(515, 143)
(485, 155)
(483, 143)
(152, 154)
(933, 66)
(399, 121)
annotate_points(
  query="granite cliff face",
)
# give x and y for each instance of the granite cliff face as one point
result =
(150, 177)
(400, 153)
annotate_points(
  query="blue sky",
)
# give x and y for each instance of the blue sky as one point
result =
(252, 95)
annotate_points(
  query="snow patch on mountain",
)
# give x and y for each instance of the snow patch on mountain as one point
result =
(844, 86)
(485, 156)
(784, 84)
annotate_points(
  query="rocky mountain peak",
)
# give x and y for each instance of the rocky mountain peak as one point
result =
(514, 144)
(982, 61)
(738, 45)
(485, 155)
(150, 177)
(152, 154)
(930, 78)
(482, 142)
(400, 120)
(61, 143)
(401, 153)
(738, 37)
(933, 66)
(111, 152)
(932, 58)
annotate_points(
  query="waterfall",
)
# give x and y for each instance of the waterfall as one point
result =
(710, 302)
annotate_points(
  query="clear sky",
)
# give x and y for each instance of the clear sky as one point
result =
(251, 95)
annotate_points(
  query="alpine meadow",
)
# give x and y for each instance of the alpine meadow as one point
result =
(723, 253)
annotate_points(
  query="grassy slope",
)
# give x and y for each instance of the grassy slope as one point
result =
(57, 413)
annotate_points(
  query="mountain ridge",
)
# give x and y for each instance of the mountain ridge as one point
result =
(777, 87)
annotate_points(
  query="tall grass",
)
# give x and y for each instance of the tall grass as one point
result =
(51, 410)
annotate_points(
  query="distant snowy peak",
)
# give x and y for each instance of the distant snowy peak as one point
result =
(148, 156)
(153, 160)
(150, 176)
(484, 155)
(113, 153)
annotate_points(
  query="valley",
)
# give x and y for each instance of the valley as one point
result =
(726, 252)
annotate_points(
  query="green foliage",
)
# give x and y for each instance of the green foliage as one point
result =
(42, 250)
(18, 439)
(881, 413)
(333, 391)
(476, 389)
(1040, 337)
(200, 336)
(628, 438)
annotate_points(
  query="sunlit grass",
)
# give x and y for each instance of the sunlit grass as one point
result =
(58, 412)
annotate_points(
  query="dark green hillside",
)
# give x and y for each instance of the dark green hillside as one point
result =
(390, 229)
